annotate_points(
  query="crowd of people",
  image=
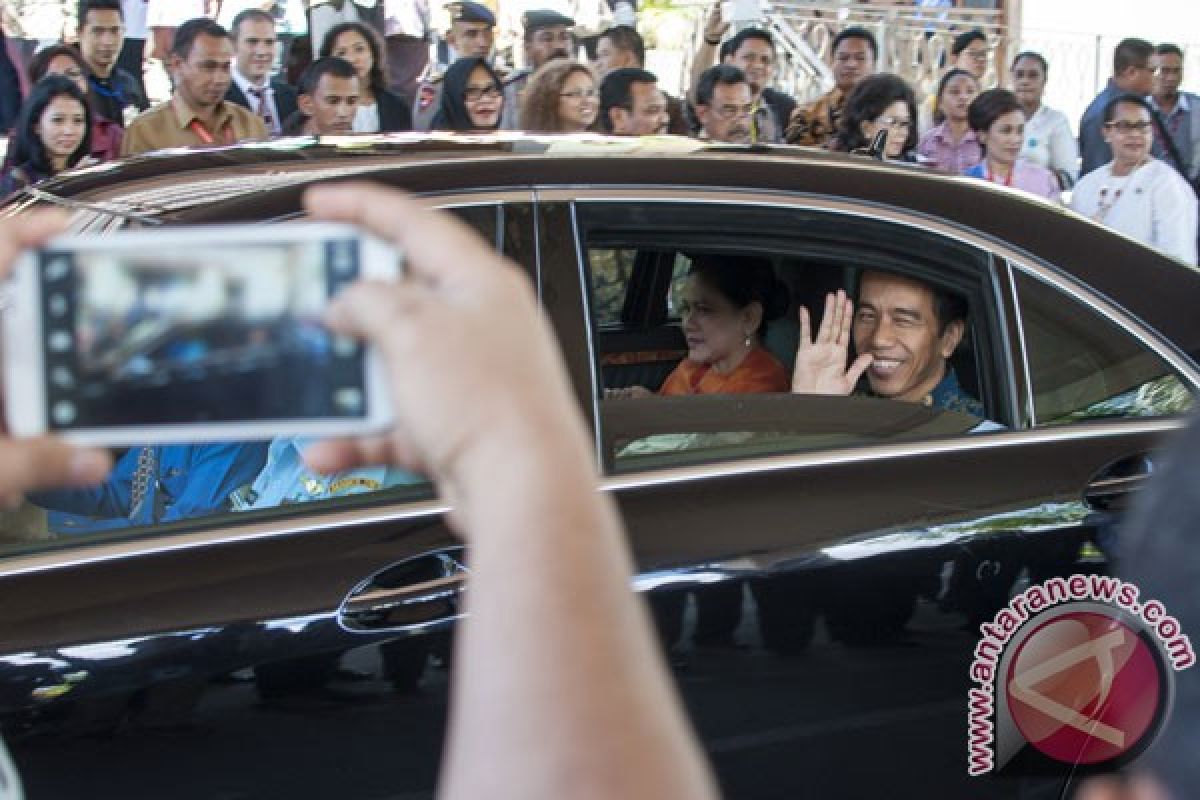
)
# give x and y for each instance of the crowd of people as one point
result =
(1134, 166)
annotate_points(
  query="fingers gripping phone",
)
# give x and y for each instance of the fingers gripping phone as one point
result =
(191, 334)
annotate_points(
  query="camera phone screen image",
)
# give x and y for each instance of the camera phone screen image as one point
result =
(221, 333)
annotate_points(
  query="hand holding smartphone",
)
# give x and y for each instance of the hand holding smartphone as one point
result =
(192, 334)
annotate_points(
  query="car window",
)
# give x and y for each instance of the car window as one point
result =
(1084, 366)
(810, 253)
(188, 487)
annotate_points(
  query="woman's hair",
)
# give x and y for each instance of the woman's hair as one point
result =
(452, 114)
(41, 61)
(989, 106)
(867, 102)
(539, 106)
(938, 116)
(375, 78)
(27, 147)
(1038, 57)
(743, 280)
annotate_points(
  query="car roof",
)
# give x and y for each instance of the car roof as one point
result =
(265, 180)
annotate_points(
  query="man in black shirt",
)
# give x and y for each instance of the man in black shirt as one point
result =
(114, 93)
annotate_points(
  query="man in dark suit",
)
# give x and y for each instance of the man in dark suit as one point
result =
(254, 52)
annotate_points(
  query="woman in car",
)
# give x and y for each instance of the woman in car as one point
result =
(1049, 142)
(53, 133)
(472, 98)
(561, 97)
(1135, 193)
(880, 102)
(998, 120)
(728, 301)
(63, 60)
(951, 144)
(379, 109)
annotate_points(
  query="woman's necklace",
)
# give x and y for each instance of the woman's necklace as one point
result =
(991, 176)
(1110, 196)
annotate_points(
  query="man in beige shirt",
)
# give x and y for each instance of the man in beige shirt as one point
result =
(197, 113)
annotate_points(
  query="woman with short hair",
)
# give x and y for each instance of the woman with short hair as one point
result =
(879, 102)
(1135, 193)
(1049, 142)
(998, 120)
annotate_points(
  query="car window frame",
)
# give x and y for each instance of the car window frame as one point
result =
(1005, 257)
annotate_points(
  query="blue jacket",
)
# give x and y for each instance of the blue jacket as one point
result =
(192, 481)
(1095, 151)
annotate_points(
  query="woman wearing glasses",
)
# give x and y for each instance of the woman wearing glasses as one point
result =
(66, 61)
(472, 98)
(561, 97)
(1136, 194)
(880, 102)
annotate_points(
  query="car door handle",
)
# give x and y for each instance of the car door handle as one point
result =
(419, 594)
(1112, 487)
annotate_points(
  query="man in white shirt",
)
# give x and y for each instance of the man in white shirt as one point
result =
(254, 41)
(406, 27)
(324, 14)
(1135, 193)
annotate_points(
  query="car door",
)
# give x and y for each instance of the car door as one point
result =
(291, 651)
(863, 540)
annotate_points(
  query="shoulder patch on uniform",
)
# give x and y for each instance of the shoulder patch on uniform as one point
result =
(347, 484)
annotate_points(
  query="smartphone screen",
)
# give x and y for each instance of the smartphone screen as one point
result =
(214, 334)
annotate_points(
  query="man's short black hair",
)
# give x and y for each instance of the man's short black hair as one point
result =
(1110, 109)
(187, 33)
(86, 6)
(857, 32)
(626, 38)
(745, 35)
(1035, 56)
(963, 40)
(1131, 53)
(330, 65)
(248, 14)
(1168, 49)
(722, 74)
(616, 91)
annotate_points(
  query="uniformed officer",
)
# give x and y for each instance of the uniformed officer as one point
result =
(548, 35)
(471, 35)
(286, 479)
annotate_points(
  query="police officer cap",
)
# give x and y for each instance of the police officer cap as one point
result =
(544, 18)
(467, 11)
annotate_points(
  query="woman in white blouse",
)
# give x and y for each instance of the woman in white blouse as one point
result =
(1049, 142)
(1135, 193)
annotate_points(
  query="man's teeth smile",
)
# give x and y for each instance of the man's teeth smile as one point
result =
(884, 365)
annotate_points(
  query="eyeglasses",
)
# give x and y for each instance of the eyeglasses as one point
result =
(895, 123)
(1167, 70)
(473, 94)
(978, 54)
(550, 37)
(580, 94)
(74, 73)
(1125, 126)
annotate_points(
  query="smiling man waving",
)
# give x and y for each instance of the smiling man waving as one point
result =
(904, 332)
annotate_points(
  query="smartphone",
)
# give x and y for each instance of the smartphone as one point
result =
(191, 334)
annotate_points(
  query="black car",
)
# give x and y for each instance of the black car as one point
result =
(866, 539)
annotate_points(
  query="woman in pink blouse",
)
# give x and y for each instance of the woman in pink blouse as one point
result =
(951, 145)
(998, 120)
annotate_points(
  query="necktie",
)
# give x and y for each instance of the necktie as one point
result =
(145, 475)
(263, 109)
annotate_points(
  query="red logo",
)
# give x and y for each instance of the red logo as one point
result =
(1084, 688)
